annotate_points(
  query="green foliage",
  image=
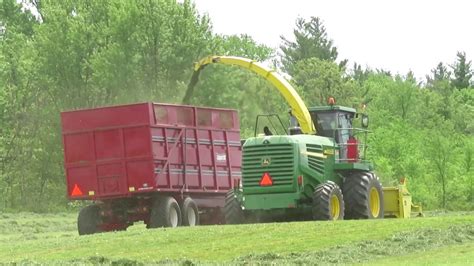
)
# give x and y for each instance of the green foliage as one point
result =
(462, 72)
(82, 54)
(418, 132)
(440, 73)
(93, 53)
(311, 40)
(319, 79)
(233, 87)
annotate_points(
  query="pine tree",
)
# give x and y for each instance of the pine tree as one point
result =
(311, 41)
(462, 72)
(439, 73)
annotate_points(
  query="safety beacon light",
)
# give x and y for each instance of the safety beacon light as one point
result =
(331, 101)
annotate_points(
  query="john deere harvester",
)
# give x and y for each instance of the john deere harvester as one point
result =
(317, 169)
(319, 174)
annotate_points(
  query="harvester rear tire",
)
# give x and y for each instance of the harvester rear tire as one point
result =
(89, 220)
(190, 212)
(165, 212)
(232, 210)
(328, 203)
(359, 190)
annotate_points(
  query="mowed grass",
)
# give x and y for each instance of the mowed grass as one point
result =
(53, 238)
(462, 254)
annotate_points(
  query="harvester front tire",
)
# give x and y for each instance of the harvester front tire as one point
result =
(232, 210)
(165, 212)
(190, 212)
(363, 196)
(89, 220)
(328, 203)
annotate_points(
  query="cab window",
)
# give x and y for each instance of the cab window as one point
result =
(325, 123)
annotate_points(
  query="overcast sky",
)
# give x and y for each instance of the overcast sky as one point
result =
(393, 35)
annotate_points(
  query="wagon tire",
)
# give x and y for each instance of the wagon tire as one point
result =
(88, 220)
(190, 212)
(232, 210)
(363, 196)
(165, 212)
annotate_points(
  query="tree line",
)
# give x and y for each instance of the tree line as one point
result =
(65, 55)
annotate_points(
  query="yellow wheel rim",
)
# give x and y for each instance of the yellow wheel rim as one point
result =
(335, 210)
(374, 202)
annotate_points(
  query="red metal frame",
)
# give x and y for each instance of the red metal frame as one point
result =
(131, 151)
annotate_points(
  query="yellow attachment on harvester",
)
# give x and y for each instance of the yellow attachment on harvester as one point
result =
(298, 107)
(397, 201)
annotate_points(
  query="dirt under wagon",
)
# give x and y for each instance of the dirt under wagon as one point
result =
(166, 165)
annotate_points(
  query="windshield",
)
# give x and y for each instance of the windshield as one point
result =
(327, 122)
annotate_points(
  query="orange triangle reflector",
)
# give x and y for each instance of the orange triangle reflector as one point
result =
(266, 180)
(76, 191)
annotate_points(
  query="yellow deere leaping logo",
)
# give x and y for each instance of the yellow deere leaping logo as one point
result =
(266, 161)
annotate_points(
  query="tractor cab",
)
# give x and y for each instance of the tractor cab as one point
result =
(332, 122)
(337, 122)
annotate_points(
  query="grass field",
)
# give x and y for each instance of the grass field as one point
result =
(53, 239)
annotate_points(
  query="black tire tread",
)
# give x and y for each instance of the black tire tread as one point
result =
(88, 220)
(159, 216)
(189, 203)
(232, 211)
(356, 193)
(321, 201)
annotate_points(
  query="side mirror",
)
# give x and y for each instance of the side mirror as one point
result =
(365, 120)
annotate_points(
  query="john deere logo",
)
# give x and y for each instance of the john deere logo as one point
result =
(266, 161)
